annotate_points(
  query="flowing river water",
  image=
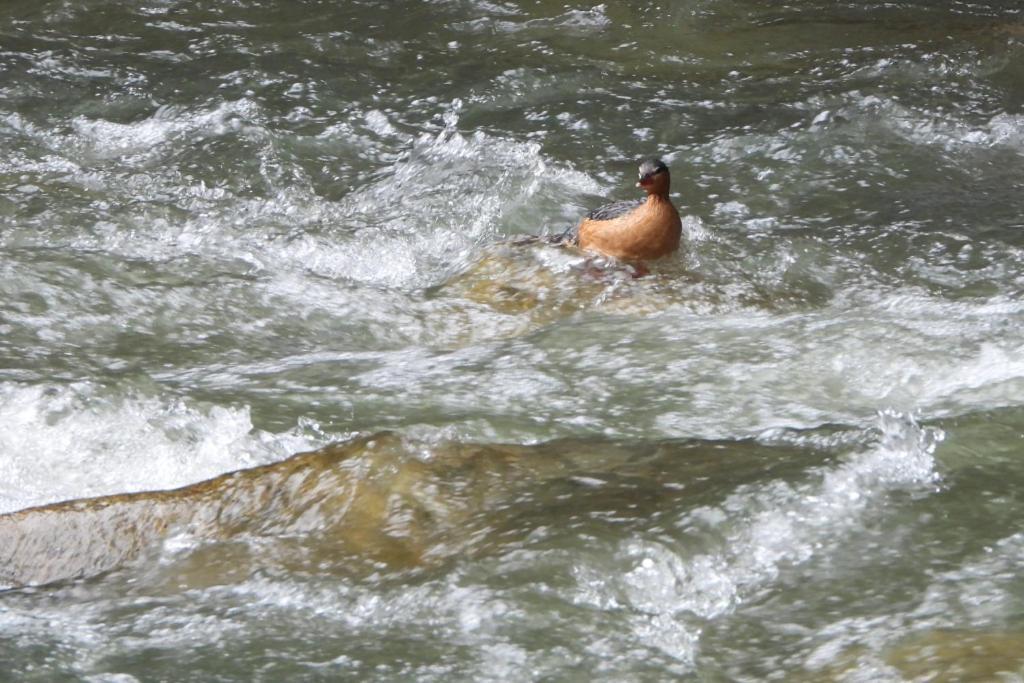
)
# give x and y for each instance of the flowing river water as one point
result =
(286, 395)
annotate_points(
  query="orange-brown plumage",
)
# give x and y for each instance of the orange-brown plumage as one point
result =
(648, 230)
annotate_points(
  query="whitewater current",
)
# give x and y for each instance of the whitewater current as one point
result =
(289, 392)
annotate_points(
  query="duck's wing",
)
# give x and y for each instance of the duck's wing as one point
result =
(605, 213)
(612, 211)
(570, 236)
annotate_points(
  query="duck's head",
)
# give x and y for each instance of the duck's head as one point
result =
(654, 176)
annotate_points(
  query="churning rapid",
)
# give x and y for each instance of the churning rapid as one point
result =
(286, 393)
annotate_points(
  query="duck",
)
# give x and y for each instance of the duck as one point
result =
(636, 230)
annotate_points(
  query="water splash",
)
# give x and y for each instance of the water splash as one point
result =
(79, 441)
(436, 198)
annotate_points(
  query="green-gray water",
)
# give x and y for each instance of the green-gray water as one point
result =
(232, 232)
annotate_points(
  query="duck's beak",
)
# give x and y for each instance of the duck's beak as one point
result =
(644, 180)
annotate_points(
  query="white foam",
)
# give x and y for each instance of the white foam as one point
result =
(764, 528)
(748, 372)
(77, 441)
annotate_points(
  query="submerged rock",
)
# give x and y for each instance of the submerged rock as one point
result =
(959, 655)
(376, 502)
(936, 656)
(365, 496)
(539, 283)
